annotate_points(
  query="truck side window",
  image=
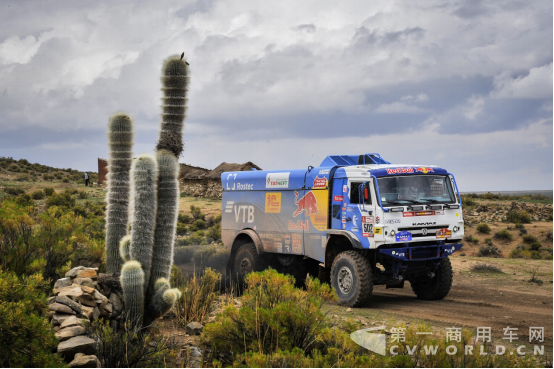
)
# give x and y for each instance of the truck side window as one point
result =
(355, 195)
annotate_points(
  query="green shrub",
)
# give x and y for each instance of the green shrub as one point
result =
(503, 235)
(82, 194)
(535, 246)
(521, 252)
(488, 241)
(65, 180)
(181, 229)
(200, 224)
(214, 232)
(64, 200)
(24, 200)
(518, 217)
(529, 239)
(184, 218)
(197, 297)
(193, 228)
(15, 191)
(486, 268)
(23, 178)
(49, 191)
(489, 251)
(483, 228)
(468, 201)
(470, 238)
(38, 195)
(196, 212)
(26, 335)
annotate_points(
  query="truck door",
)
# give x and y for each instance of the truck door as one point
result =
(360, 210)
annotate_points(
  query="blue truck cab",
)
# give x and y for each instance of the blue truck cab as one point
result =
(356, 220)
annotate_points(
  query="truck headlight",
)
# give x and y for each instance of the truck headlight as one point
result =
(392, 233)
(456, 228)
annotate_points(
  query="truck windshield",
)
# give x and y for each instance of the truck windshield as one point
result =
(415, 189)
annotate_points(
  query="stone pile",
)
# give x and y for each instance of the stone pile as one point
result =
(77, 301)
(211, 189)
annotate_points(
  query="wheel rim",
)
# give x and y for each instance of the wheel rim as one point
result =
(345, 280)
(245, 266)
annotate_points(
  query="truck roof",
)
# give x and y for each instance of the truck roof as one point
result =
(319, 176)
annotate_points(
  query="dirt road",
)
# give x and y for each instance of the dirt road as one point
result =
(476, 300)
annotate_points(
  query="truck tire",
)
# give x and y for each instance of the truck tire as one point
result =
(351, 278)
(435, 288)
(246, 260)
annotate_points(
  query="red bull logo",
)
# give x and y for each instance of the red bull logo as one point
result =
(320, 182)
(307, 204)
(425, 170)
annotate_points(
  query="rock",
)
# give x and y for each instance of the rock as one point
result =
(87, 311)
(194, 356)
(88, 282)
(349, 309)
(62, 282)
(73, 321)
(56, 328)
(67, 333)
(84, 361)
(50, 300)
(86, 299)
(51, 314)
(105, 310)
(72, 292)
(194, 328)
(69, 302)
(58, 319)
(73, 272)
(96, 313)
(87, 273)
(100, 299)
(78, 344)
(116, 302)
(60, 308)
(89, 290)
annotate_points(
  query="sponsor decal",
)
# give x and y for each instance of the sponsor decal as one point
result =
(378, 230)
(345, 188)
(367, 229)
(247, 212)
(320, 182)
(351, 208)
(403, 236)
(367, 219)
(299, 225)
(392, 221)
(324, 171)
(277, 180)
(355, 223)
(344, 226)
(231, 178)
(444, 233)
(273, 202)
(377, 219)
(424, 170)
(399, 170)
(306, 204)
(244, 186)
(229, 206)
(338, 198)
(422, 213)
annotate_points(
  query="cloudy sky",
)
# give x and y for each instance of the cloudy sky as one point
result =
(466, 85)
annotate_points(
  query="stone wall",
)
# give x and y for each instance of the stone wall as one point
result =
(202, 188)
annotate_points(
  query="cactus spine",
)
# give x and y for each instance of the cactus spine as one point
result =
(154, 205)
(120, 141)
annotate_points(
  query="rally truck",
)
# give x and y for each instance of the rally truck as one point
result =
(360, 219)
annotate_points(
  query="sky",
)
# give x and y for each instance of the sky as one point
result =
(465, 85)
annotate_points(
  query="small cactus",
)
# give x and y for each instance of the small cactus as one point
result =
(132, 283)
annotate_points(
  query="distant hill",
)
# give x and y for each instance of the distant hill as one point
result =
(22, 170)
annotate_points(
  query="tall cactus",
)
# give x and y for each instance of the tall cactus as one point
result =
(120, 142)
(148, 249)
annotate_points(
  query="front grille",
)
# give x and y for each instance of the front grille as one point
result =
(423, 231)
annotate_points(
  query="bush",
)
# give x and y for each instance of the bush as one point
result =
(196, 212)
(26, 335)
(518, 217)
(63, 200)
(521, 252)
(468, 201)
(529, 239)
(38, 195)
(274, 316)
(486, 268)
(49, 191)
(15, 191)
(184, 218)
(214, 232)
(200, 224)
(197, 297)
(24, 200)
(23, 178)
(130, 347)
(82, 194)
(489, 251)
(181, 229)
(488, 241)
(483, 228)
(470, 238)
(503, 235)
(535, 246)
(65, 180)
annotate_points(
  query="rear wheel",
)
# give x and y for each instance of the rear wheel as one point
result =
(246, 260)
(351, 278)
(435, 288)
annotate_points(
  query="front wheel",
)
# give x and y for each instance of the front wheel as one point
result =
(246, 260)
(351, 278)
(435, 288)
